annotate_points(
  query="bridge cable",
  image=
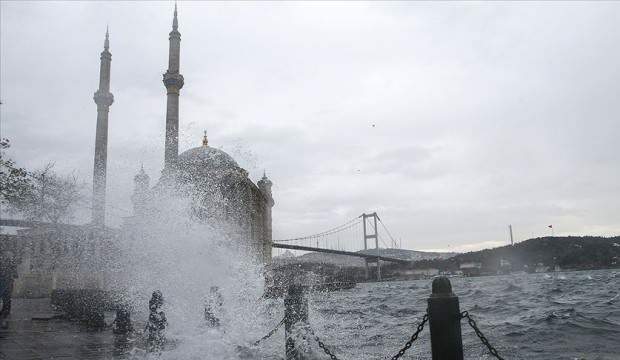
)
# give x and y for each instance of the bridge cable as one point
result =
(349, 224)
(388, 231)
(319, 236)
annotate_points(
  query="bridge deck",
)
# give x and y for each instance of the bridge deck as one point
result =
(339, 252)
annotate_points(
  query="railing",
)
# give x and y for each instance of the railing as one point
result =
(443, 316)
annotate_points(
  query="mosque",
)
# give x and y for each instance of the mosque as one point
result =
(219, 187)
(57, 256)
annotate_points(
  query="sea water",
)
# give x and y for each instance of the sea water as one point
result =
(568, 315)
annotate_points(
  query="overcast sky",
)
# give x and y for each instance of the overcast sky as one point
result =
(452, 120)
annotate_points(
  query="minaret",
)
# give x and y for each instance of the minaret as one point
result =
(141, 193)
(173, 81)
(264, 185)
(103, 98)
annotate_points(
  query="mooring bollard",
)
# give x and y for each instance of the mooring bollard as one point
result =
(122, 322)
(213, 307)
(444, 318)
(157, 323)
(295, 316)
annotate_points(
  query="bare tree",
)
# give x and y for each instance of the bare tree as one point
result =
(50, 198)
(15, 182)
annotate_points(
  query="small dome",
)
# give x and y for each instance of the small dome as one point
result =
(207, 157)
(142, 176)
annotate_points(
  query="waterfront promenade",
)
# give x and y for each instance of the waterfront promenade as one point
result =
(48, 338)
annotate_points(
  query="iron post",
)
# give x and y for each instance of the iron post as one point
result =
(295, 316)
(444, 318)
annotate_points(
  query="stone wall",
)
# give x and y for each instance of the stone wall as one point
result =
(59, 257)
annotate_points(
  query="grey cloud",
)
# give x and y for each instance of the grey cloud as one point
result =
(484, 114)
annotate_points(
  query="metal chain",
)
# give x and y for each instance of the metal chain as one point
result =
(322, 346)
(400, 353)
(325, 349)
(273, 331)
(479, 333)
(414, 337)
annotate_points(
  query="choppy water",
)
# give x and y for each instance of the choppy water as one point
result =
(569, 315)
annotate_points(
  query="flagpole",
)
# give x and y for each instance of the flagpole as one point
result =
(552, 232)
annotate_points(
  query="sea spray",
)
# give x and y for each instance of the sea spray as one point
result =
(183, 256)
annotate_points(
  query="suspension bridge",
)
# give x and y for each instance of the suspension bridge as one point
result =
(347, 239)
(359, 237)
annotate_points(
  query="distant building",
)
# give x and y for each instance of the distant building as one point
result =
(541, 268)
(421, 273)
(505, 267)
(470, 265)
(471, 268)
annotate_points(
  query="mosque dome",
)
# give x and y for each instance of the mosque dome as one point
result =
(207, 159)
(210, 158)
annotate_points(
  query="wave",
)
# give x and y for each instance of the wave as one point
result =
(559, 314)
(512, 287)
(478, 292)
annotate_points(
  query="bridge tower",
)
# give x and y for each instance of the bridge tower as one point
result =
(369, 222)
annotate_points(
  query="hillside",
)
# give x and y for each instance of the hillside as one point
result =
(572, 252)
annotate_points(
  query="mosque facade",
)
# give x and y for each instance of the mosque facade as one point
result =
(219, 188)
